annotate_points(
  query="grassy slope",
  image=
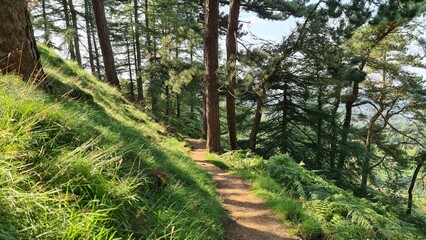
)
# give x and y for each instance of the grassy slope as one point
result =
(85, 163)
(316, 207)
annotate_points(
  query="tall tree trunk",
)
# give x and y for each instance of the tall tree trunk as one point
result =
(88, 17)
(319, 149)
(256, 123)
(104, 41)
(167, 100)
(211, 13)
(138, 53)
(75, 33)
(45, 24)
(231, 73)
(148, 35)
(178, 107)
(334, 131)
(204, 117)
(371, 131)
(68, 37)
(129, 64)
(354, 96)
(284, 129)
(412, 184)
(18, 50)
(95, 45)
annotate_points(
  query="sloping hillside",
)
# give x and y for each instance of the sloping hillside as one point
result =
(84, 162)
(316, 207)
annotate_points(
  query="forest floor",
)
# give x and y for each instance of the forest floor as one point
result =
(248, 216)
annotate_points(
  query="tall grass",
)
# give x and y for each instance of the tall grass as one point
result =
(83, 163)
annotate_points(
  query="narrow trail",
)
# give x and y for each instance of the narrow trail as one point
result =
(249, 218)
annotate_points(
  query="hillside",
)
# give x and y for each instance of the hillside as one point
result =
(84, 162)
(316, 207)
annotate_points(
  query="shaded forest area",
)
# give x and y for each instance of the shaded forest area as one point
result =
(341, 93)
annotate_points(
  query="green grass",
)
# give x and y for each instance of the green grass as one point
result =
(317, 208)
(84, 163)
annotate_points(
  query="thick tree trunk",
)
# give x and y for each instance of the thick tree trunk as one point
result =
(211, 10)
(231, 73)
(104, 41)
(18, 50)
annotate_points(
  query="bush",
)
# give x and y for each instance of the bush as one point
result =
(310, 229)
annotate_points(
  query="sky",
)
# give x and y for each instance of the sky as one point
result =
(265, 29)
(274, 31)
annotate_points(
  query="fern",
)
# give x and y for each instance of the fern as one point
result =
(320, 210)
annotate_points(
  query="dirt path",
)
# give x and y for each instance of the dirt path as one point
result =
(249, 218)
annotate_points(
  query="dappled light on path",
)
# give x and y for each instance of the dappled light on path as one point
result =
(249, 218)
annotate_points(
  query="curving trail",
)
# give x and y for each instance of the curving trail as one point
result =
(249, 218)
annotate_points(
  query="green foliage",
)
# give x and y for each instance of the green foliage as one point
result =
(84, 163)
(310, 229)
(318, 208)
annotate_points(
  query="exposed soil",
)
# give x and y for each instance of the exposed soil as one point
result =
(248, 217)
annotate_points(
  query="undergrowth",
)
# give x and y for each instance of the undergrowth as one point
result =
(83, 163)
(317, 208)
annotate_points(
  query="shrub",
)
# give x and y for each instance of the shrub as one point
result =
(310, 229)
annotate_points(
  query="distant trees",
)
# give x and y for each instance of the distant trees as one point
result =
(18, 51)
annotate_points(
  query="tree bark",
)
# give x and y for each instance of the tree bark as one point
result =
(346, 127)
(68, 38)
(18, 50)
(88, 18)
(320, 148)
(413, 182)
(75, 34)
(284, 128)
(231, 73)
(204, 117)
(129, 65)
(45, 24)
(211, 11)
(355, 91)
(138, 53)
(256, 123)
(104, 41)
